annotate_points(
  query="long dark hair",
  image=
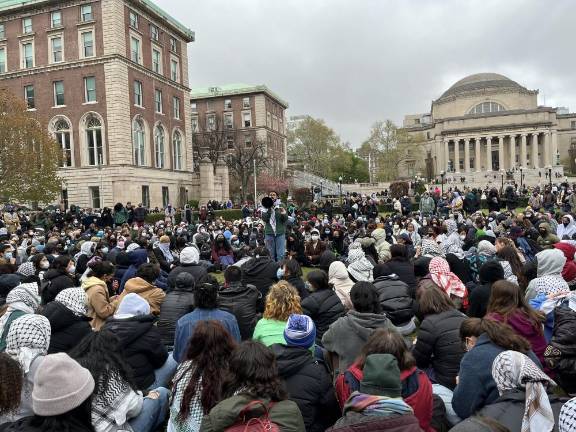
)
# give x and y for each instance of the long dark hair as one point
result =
(506, 298)
(319, 280)
(11, 388)
(67, 422)
(101, 353)
(253, 369)
(510, 254)
(500, 334)
(386, 341)
(209, 349)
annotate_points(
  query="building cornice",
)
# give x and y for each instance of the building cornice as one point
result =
(239, 91)
(497, 114)
(494, 129)
(483, 92)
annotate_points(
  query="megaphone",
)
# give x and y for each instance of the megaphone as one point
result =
(267, 202)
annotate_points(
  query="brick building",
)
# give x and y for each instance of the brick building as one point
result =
(110, 79)
(246, 114)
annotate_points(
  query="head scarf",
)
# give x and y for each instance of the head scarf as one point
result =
(430, 248)
(85, 249)
(28, 338)
(567, 419)
(165, 249)
(452, 243)
(74, 299)
(23, 298)
(513, 370)
(26, 269)
(486, 248)
(359, 267)
(445, 279)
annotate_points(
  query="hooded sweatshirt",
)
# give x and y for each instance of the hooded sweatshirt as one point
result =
(153, 295)
(549, 281)
(338, 276)
(567, 230)
(547, 240)
(349, 334)
(381, 245)
(569, 270)
(100, 305)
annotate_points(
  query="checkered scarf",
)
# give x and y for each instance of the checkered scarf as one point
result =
(359, 267)
(567, 419)
(26, 269)
(74, 299)
(445, 279)
(512, 370)
(28, 338)
(430, 248)
(23, 298)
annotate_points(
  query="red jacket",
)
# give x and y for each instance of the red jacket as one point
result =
(420, 399)
(569, 270)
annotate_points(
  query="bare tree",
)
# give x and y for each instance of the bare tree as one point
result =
(246, 156)
(212, 139)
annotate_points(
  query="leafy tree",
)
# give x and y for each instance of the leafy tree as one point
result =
(29, 157)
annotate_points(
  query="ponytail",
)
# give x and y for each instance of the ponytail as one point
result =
(499, 333)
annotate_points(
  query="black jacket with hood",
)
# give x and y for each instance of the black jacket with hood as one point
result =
(260, 272)
(324, 307)
(177, 303)
(242, 301)
(395, 299)
(67, 328)
(56, 281)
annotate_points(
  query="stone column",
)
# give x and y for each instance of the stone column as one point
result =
(478, 164)
(523, 151)
(467, 155)
(446, 154)
(554, 147)
(456, 155)
(512, 151)
(501, 152)
(535, 150)
(547, 149)
(489, 154)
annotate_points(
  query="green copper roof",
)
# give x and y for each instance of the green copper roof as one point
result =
(233, 89)
(6, 5)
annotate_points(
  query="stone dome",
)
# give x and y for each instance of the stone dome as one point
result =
(481, 81)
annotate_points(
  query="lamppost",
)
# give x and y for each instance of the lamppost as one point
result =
(321, 188)
(442, 174)
(340, 189)
(521, 177)
(502, 177)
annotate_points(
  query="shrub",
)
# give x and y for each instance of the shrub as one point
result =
(399, 189)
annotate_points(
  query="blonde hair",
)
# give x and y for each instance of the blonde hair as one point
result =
(282, 301)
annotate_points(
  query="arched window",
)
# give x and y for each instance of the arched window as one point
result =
(62, 133)
(486, 107)
(94, 140)
(139, 142)
(177, 146)
(159, 146)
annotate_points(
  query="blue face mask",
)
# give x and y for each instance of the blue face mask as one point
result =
(280, 273)
(8, 255)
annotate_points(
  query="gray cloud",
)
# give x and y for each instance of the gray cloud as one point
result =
(352, 62)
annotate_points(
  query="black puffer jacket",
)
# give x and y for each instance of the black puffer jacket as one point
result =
(176, 304)
(143, 348)
(309, 385)
(300, 285)
(260, 272)
(395, 299)
(324, 307)
(58, 281)
(439, 346)
(562, 348)
(243, 302)
(196, 270)
(67, 328)
(402, 268)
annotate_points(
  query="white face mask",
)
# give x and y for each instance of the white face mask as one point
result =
(315, 237)
(44, 265)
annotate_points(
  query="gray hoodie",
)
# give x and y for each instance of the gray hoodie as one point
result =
(549, 280)
(347, 335)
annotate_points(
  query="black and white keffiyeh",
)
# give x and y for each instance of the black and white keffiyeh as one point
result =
(513, 370)
(28, 337)
(567, 419)
(359, 267)
(74, 299)
(23, 297)
(26, 269)
(430, 248)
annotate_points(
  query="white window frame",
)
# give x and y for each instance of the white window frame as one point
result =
(139, 141)
(54, 83)
(229, 125)
(159, 151)
(33, 97)
(227, 104)
(92, 192)
(244, 113)
(246, 103)
(81, 46)
(248, 139)
(59, 136)
(137, 37)
(157, 49)
(176, 104)
(84, 139)
(5, 50)
(52, 14)
(2, 31)
(25, 20)
(194, 107)
(84, 13)
(158, 103)
(178, 159)
(211, 122)
(141, 87)
(133, 19)
(51, 48)
(23, 43)
(174, 72)
(154, 33)
(194, 124)
(173, 45)
(86, 101)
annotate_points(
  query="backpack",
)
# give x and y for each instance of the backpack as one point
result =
(245, 423)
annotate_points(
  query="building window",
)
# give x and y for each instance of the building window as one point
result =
(27, 55)
(246, 102)
(174, 75)
(209, 105)
(86, 13)
(95, 196)
(194, 107)
(486, 107)
(139, 141)
(135, 50)
(158, 101)
(211, 122)
(572, 123)
(27, 25)
(56, 19)
(29, 96)
(156, 61)
(228, 121)
(247, 141)
(165, 196)
(177, 146)
(269, 120)
(64, 196)
(194, 124)
(176, 107)
(2, 31)
(87, 43)
(247, 119)
(58, 93)
(138, 93)
(94, 141)
(56, 48)
(62, 134)
(154, 35)
(159, 146)
(173, 45)
(230, 142)
(90, 89)
(133, 20)
(2, 60)
(227, 104)
(146, 196)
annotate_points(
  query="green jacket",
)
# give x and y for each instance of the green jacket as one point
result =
(121, 217)
(281, 220)
(285, 414)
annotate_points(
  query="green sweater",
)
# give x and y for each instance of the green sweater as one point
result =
(269, 331)
(281, 220)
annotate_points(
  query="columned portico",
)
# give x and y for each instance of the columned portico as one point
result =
(512, 151)
(477, 161)
(535, 150)
(466, 155)
(488, 153)
(457, 155)
(523, 155)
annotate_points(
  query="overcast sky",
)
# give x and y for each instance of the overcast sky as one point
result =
(352, 62)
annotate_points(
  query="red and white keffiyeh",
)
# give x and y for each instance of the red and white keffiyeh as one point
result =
(445, 279)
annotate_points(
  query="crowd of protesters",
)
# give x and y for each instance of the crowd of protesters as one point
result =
(453, 313)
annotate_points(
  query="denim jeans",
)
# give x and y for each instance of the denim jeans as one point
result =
(276, 245)
(153, 413)
(446, 395)
(165, 373)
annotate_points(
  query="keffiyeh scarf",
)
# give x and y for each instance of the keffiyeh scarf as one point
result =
(165, 248)
(26, 269)
(359, 267)
(28, 338)
(452, 243)
(431, 249)
(513, 370)
(24, 298)
(74, 299)
(567, 419)
(445, 279)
